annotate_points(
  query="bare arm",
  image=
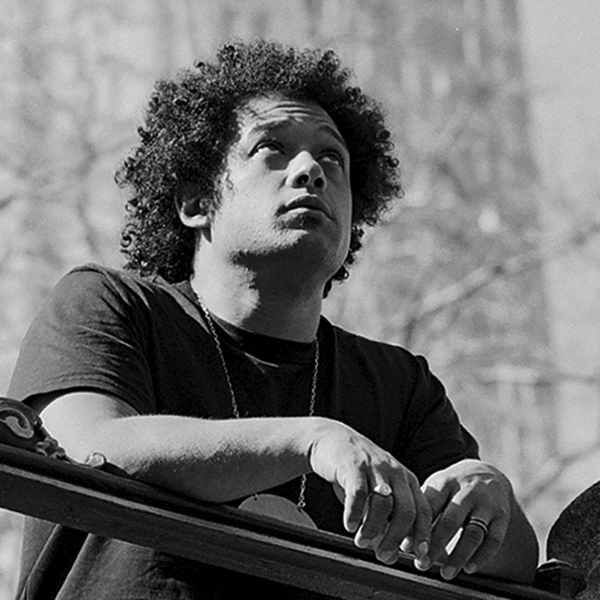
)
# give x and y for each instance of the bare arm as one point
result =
(206, 459)
(221, 460)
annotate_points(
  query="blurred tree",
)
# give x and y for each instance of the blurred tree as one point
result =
(456, 272)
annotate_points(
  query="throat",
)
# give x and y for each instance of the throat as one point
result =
(275, 314)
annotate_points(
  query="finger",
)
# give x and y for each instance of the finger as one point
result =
(490, 546)
(472, 537)
(418, 541)
(355, 503)
(437, 499)
(401, 523)
(375, 522)
(412, 516)
(445, 528)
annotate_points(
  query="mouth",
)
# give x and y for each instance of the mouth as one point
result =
(309, 202)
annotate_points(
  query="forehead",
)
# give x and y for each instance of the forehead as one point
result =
(268, 114)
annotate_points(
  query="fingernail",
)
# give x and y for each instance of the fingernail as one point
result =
(448, 572)
(352, 526)
(422, 549)
(423, 563)
(470, 568)
(386, 556)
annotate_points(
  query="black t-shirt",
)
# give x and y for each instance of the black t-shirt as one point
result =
(146, 341)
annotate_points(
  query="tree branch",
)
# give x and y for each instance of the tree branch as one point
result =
(483, 276)
(553, 470)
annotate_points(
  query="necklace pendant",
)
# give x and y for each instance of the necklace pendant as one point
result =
(279, 508)
(270, 505)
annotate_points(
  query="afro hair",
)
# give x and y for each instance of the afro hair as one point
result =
(191, 122)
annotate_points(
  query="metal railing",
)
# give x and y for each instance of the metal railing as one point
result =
(111, 505)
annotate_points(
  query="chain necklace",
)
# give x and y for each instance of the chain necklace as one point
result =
(268, 503)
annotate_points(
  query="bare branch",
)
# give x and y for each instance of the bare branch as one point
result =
(553, 470)
(487, 274)
(7, 201)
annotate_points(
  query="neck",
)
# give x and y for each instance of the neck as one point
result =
(268, 305)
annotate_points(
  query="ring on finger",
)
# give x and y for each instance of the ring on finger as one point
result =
(479, 522)
(382, 489)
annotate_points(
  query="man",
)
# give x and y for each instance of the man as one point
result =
(207, 367)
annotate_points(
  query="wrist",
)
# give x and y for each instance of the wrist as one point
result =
(317, 428)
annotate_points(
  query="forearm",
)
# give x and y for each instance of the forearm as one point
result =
(213, 460)
(221, 460)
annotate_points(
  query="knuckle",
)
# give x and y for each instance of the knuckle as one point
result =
(369, 529)
(473, 533)
(357, 490)
(451, 521)
(502, 513)
(381, 507)
(426, 512)
(360, 494)
(405, 512)
(410, 477)
(493, 542)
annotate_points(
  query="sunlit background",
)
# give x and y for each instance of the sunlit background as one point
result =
(490, 265)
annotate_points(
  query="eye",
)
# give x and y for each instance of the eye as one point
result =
(333, 156)
(268, 145)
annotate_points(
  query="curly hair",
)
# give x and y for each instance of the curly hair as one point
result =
(192, 121)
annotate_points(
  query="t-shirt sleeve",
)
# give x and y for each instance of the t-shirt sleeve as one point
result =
(432, 436)
(89, 334)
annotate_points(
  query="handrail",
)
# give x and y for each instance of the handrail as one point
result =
(118, 507)
(39, 480)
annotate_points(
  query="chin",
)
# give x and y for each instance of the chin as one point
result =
(301, 250)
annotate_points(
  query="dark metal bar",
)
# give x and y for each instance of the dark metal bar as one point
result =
(114, 506)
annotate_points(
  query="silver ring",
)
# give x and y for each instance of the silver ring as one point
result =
(479, 522)
(382, 489)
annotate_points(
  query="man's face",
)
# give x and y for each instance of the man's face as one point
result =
(285, 193)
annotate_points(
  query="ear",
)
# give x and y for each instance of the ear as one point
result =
(189, 208)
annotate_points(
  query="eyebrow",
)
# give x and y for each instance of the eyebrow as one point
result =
(285, 123)
(336, 134)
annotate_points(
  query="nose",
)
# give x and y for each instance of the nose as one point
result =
(305, 171)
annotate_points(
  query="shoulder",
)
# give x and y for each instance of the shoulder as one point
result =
(97, 277)
(380, 355)
(96, 284)
(391, 367)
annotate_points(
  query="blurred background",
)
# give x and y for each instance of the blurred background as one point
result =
(490, 265)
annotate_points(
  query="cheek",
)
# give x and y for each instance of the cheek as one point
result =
(349, 205)
(348, 224)
(256, 186)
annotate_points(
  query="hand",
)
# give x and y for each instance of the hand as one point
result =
(467, 493)
(383, 504)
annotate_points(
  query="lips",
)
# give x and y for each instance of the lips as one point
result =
(309, 201)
